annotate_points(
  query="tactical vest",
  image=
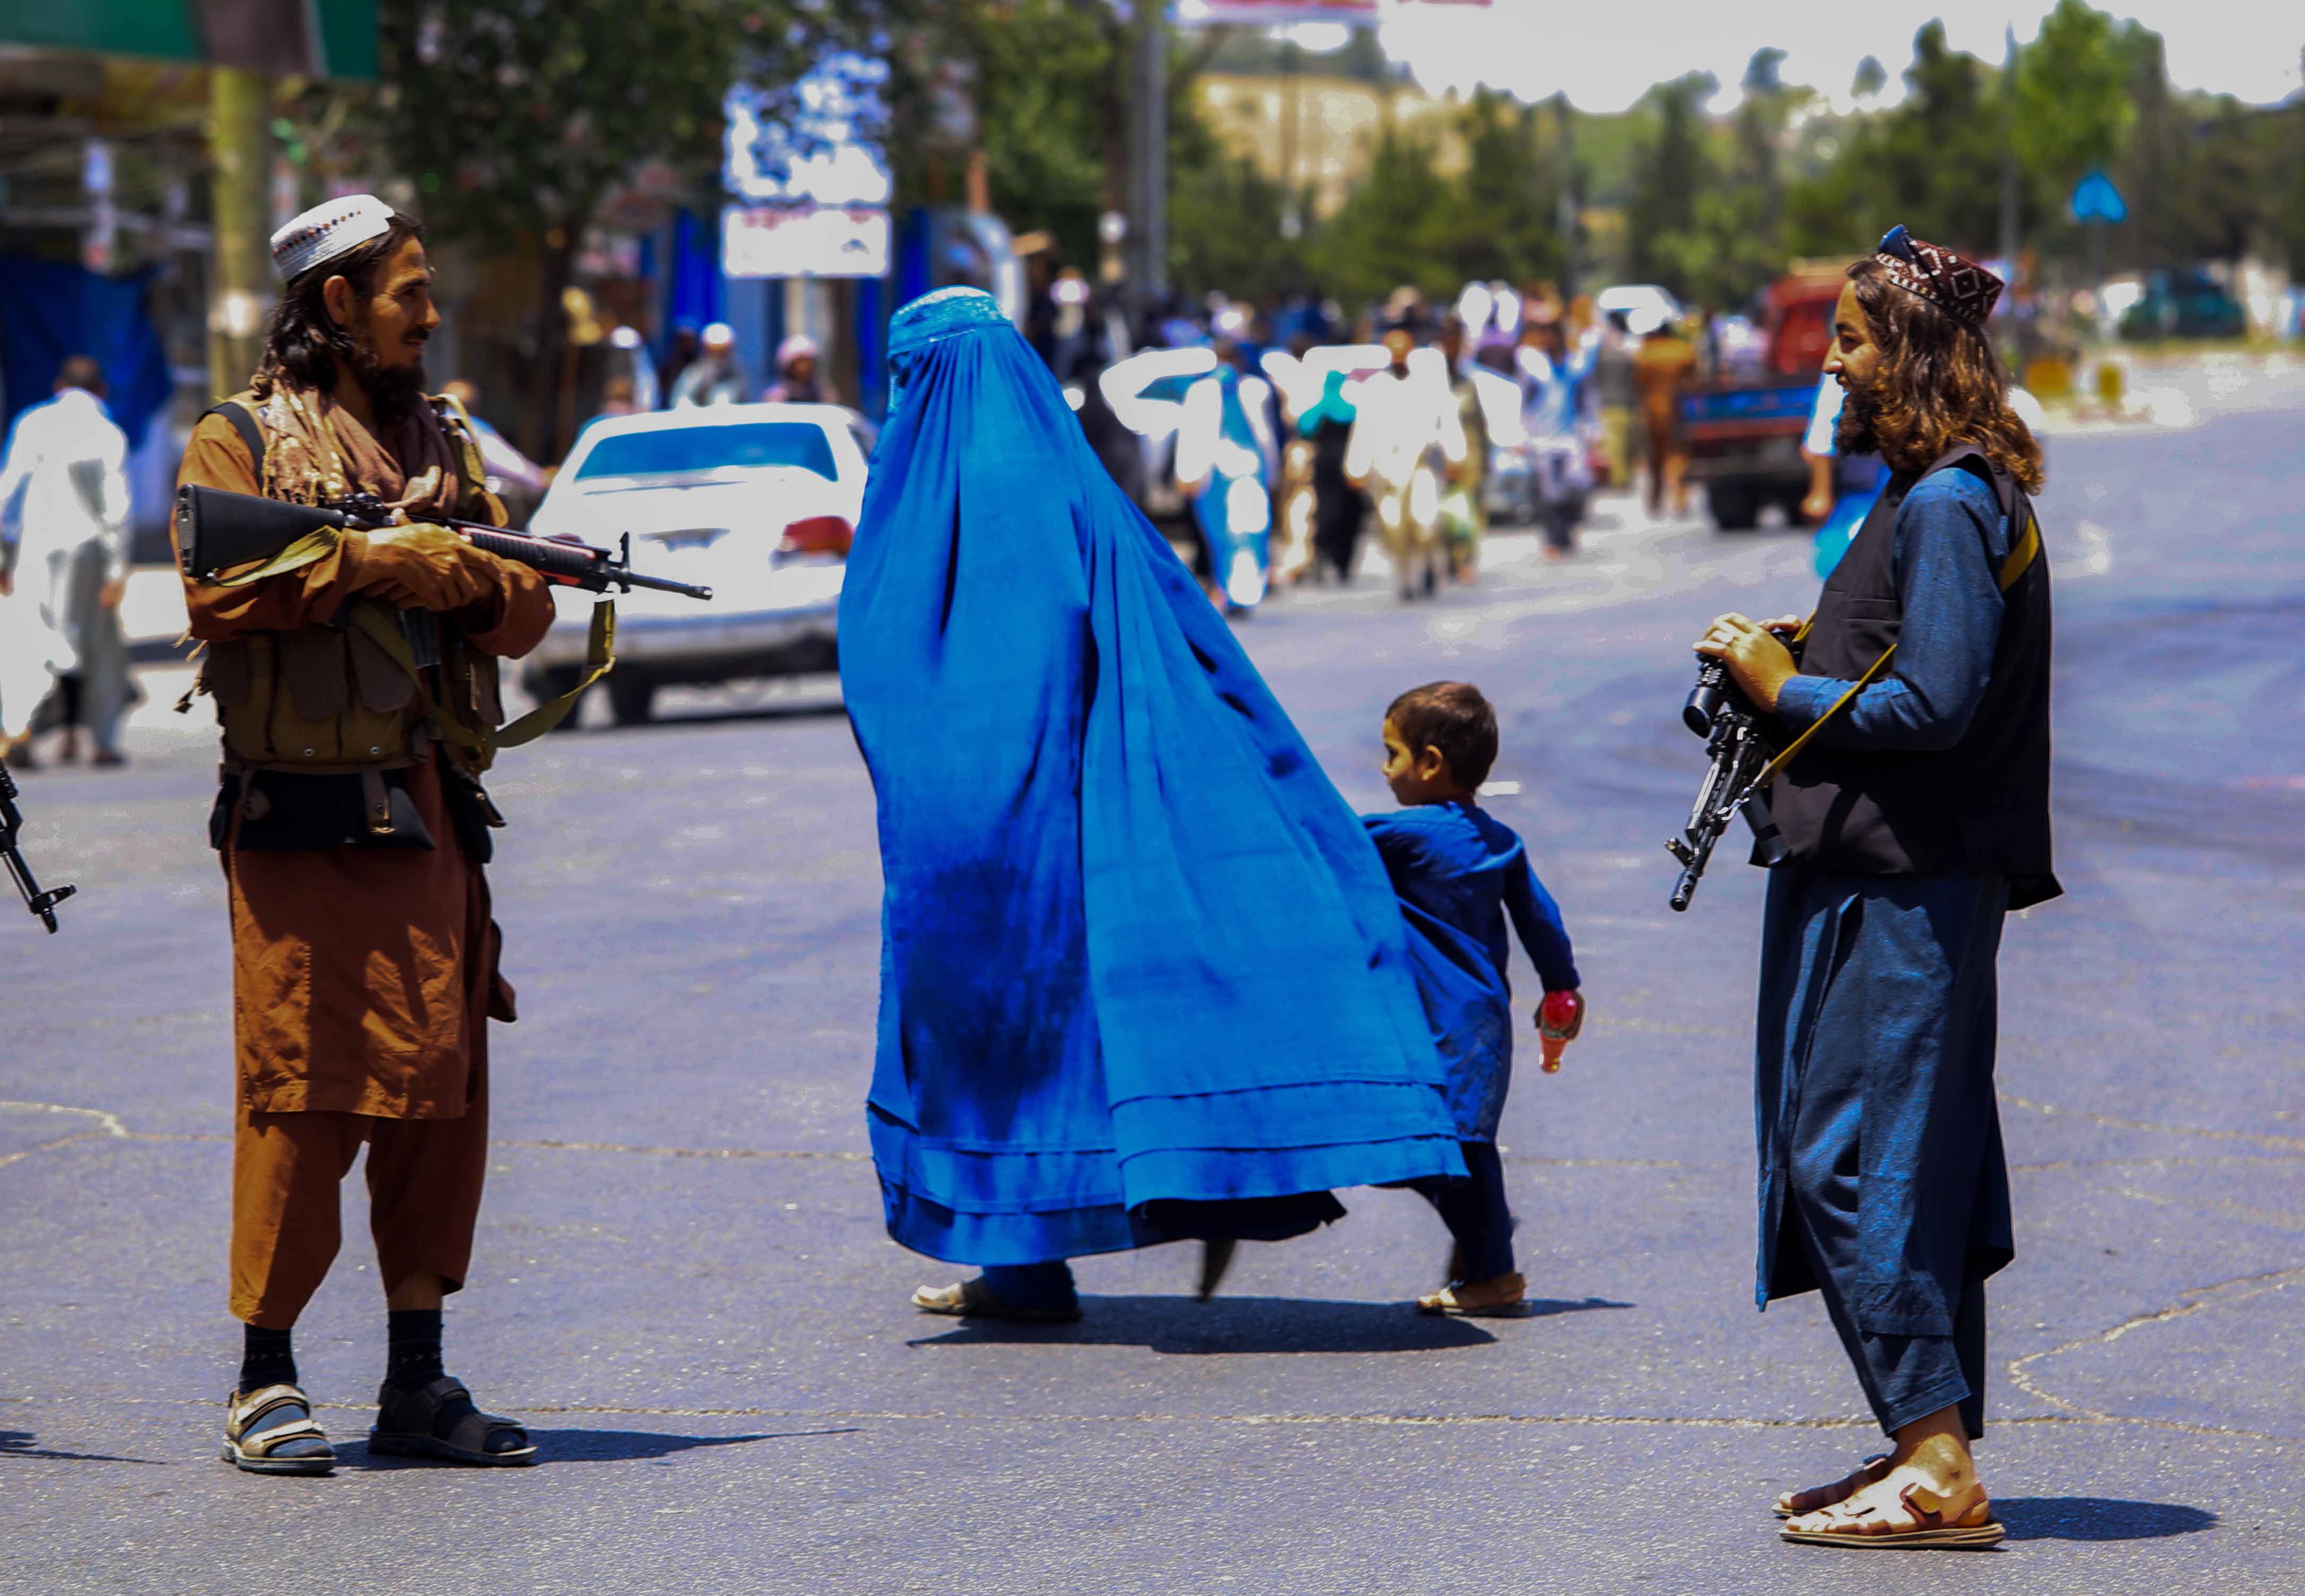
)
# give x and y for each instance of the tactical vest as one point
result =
(1981, 804)
(333, 699)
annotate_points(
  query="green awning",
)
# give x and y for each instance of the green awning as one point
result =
(274, 36)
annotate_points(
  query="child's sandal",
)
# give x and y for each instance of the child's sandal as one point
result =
(1506, 1296)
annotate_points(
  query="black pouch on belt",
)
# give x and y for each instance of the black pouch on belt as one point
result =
(282, 811)
(473, 811)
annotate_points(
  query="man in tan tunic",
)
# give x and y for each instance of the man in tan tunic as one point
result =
(353, 830)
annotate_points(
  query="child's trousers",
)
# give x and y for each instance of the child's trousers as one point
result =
(1474, 1211)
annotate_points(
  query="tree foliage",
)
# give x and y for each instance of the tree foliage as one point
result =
(2071, 109)
(516, 118)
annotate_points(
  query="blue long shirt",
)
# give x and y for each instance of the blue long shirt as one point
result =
(1948, 544)
(1459, 875)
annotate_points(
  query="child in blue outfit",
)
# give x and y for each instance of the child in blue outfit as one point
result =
(1460, 873)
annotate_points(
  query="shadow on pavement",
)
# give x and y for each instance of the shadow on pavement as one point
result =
(2097, 1518)
(596, 1445)
(1245, 1324)
(18, 1443)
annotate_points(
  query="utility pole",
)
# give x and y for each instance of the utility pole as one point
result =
(240, 103)
(2010, 241)
(1148, 159)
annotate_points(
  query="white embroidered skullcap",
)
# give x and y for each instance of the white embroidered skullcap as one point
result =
(327, 231)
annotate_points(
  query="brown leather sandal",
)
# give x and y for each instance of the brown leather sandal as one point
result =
(404, 1422)
(1816, 1499)
(1973, 1529)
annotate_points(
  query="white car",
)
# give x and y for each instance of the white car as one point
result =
(757, 502)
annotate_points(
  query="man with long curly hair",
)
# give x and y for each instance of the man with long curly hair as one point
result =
(357, 694)
(1915, 809)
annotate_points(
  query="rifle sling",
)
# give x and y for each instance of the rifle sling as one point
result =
(2020, 560)
(310, 550)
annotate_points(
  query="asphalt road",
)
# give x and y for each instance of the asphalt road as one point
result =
(682, 1285)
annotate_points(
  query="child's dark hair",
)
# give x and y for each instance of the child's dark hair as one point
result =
(1453, 718)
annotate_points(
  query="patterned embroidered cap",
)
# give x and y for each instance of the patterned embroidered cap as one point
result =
(325, 232)
(1951, 281)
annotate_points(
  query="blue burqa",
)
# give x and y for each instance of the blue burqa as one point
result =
(1140, 963)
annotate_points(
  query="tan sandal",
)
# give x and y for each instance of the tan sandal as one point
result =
(293, 1445)
(973, 1299)
(1505, 1296)
(1871, 1471)
(1973, 1529)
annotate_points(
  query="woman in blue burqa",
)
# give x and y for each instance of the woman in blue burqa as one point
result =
(1142, 976)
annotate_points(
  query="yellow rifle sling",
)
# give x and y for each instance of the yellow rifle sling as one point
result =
(2020, 560)
(310, 550)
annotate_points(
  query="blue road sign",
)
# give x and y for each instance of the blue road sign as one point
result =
(2095, 199)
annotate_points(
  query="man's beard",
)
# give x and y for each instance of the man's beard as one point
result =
(393, 392)
(1856, 433)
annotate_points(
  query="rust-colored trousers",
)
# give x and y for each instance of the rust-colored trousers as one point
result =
(424, 1179)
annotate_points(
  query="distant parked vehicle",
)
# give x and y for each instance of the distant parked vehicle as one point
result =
(758, 501)
(2184, 304)
(1743, 432)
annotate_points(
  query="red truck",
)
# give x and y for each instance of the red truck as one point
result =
(1744, 437)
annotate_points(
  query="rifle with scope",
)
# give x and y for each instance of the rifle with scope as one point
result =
(12, 825)
(1738, 746)
(218, 531)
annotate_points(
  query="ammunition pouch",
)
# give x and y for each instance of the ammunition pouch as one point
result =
(352, 696)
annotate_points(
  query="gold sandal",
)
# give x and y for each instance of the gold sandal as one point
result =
(295, 1445)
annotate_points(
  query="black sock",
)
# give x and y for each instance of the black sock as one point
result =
(412, 1347)
(266, 1359)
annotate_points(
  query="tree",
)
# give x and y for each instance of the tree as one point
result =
(1376, 240)
(2071, 109)
(1672, 169)
(1931, 161)
(1498, 220)
(517, 117)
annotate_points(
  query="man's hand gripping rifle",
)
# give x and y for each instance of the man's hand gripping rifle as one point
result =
(218, 530)
(1740, 752)
(11, 823)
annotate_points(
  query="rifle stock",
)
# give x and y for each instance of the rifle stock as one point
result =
(12, 825)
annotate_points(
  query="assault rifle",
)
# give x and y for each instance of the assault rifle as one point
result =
(12, 823)
(218, 530)
(1740, 752)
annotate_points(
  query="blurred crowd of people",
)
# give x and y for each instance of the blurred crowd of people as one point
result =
(1267, 440)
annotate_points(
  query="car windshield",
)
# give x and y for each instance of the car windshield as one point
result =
(687, 451)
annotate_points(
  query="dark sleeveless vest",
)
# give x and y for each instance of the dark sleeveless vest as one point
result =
(1981, 804)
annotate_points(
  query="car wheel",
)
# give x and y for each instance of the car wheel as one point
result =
(1733, 505)
(553, 684)
(631, 698)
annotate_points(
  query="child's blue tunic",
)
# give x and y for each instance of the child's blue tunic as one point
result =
(1460, 873)
(1136, 948)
